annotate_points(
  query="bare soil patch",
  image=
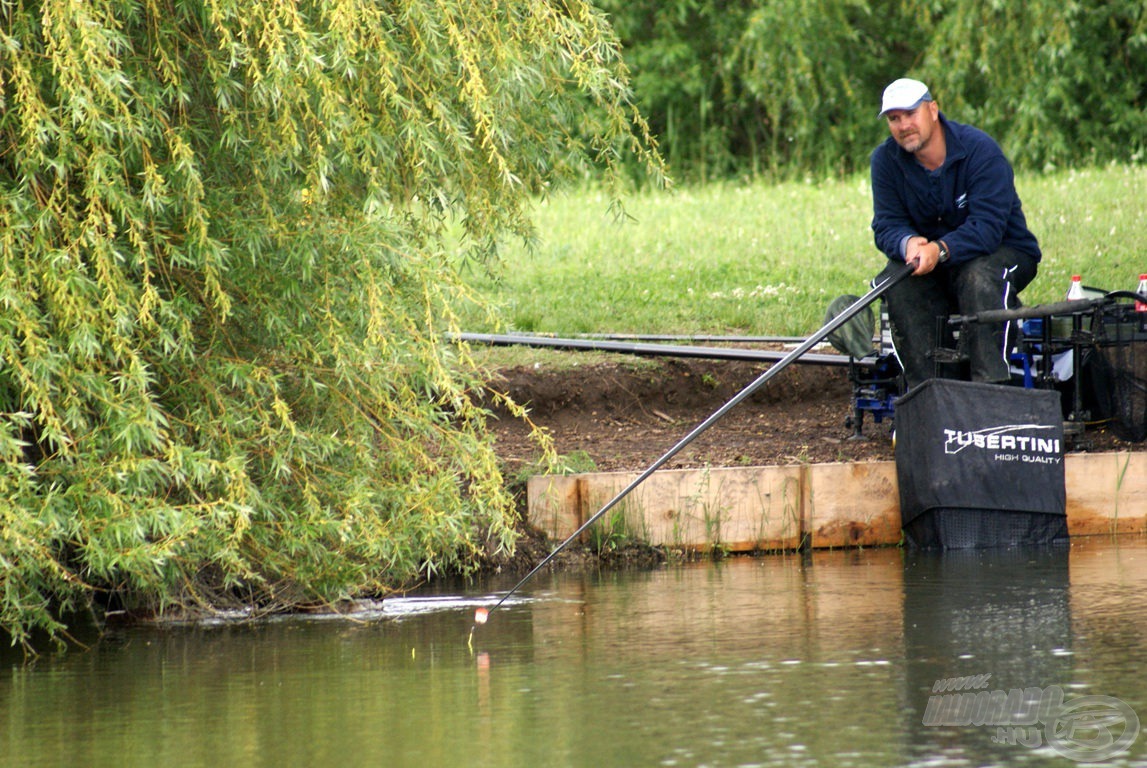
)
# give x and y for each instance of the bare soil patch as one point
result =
(624, 415)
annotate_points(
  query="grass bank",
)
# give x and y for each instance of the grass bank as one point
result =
(768, 258)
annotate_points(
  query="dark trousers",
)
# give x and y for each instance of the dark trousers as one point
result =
(918, 306)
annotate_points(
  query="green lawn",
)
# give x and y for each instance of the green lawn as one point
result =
(767, 259)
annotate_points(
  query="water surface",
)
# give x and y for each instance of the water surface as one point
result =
(827, 659)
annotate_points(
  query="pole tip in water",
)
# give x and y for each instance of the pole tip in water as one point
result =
(481, 615)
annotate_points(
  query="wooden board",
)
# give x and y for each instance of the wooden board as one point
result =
(802, 505)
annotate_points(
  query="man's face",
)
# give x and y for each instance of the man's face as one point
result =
(912, 128)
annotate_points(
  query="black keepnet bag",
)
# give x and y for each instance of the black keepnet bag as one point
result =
(980, 465)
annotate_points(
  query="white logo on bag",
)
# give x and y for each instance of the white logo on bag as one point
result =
(1008, 437)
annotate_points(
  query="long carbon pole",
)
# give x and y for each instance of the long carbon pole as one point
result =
(659, 337)
(876, 292)
(1072, 307)
(647, 350)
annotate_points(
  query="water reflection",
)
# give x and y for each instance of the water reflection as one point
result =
(826, 659)
(980, 622)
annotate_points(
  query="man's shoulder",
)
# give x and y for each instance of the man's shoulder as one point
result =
(970, 138)
(887, 151)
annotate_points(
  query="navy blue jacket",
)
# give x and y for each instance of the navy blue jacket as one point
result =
(970, 202)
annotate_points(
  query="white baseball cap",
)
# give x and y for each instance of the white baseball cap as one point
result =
(904, 93)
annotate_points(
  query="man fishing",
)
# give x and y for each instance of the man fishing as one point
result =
(944, 197)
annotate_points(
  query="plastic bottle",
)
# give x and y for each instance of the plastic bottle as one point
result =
(1141, 304)
(1076, 289)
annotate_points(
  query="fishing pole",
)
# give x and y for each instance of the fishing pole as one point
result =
(691, 338)
(1060, 308)
(482, 614)
(1070, 307)
(643, 350)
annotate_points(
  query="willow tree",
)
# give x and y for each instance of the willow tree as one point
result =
(787, 87)
(1059, 84)
(225, 283)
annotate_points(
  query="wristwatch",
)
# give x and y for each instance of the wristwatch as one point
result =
(943, 251)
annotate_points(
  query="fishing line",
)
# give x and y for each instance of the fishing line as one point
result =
(482, 615)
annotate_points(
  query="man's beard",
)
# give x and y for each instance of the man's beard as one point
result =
(912, 143)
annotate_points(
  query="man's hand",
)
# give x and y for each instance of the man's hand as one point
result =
(925, 254)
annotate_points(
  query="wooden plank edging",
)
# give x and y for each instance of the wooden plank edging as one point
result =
(790, 506)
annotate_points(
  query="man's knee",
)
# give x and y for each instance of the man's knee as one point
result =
(981, 288)
(918, 300)
(994, 281)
